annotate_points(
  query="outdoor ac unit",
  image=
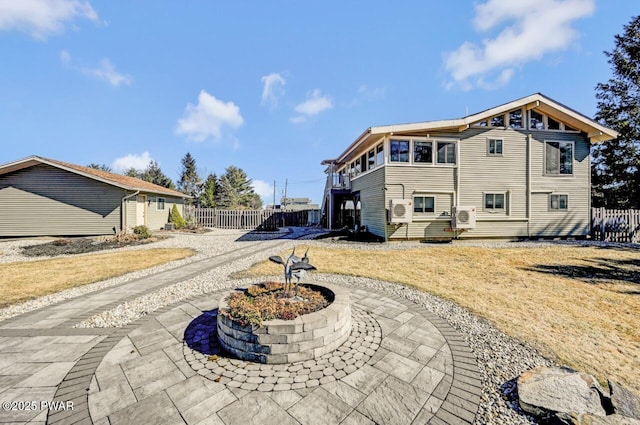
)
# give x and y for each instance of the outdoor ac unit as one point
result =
(401, 211)
(463, 218)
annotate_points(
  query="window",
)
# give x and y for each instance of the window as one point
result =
(399, 151)
(363, 162)
(424, 204)
(480, 124)
(446, 153)
(497, 121)
(536, 122)
(515, 118)
(558, 158)
(380, 154)
(423, 152)
(357, 167)
(558, 202)
(552, 124)
(568, 128)
(494, 201)
(494, 147)
(160, 203)
(371, 159)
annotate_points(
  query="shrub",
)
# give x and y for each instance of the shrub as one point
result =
(176, 218)
(142, 232)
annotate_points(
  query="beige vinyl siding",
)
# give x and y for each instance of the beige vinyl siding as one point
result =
(438, 181)
(156, 219)
(372, 199)
(46, 201)
(575, 220)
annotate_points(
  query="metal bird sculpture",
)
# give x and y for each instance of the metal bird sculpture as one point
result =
(294, 266)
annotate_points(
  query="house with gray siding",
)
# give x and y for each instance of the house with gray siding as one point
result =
(518, 170)
(46, 197)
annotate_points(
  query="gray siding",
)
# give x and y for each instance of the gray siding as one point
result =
(372, 198)
(574, 221)
(44, 200)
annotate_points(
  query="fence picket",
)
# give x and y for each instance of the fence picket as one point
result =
(615, 225)
(250, 219)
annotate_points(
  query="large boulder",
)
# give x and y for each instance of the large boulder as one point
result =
(586, 419)
(544, 392)
(623, 401)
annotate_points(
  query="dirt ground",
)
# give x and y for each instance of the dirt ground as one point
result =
(81, 246)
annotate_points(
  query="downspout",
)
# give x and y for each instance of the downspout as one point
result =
(124, 209)
(528, 185)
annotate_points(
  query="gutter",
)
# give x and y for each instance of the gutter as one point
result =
(124, 209)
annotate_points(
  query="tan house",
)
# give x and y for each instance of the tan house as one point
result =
(45, 197)
(518, 170)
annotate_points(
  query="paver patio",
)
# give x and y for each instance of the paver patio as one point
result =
(418, 371)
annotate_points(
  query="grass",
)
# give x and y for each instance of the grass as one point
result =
(577, 305)
(23, 281)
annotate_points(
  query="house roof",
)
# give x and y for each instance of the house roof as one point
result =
(119, 180)
(594, 130)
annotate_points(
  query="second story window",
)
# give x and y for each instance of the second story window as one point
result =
(399, 150)
(422, 152)
(558, 158)
(494, 147)
(446, 153)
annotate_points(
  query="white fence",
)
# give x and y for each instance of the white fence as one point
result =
(250, 219)
(615, 225)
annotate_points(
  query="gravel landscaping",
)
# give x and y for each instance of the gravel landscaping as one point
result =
(500, 358)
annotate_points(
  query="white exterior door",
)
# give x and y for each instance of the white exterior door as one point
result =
(141, 205)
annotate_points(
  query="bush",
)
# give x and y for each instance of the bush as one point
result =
(142, 232)
(176, 218)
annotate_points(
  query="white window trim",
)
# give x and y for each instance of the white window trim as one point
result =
(409, 151)
(545, 122)
(557, 209)
(544, 159)
(435, 153)
(505, 202)
(164, 202)
(489, 139)
(425, 195)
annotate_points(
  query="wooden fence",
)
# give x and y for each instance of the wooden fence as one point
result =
(250, 219)
(615, 225)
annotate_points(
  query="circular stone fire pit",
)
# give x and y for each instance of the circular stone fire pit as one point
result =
(286, 341)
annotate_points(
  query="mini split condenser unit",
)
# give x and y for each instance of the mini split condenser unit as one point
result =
(463, 218)
(400, 211)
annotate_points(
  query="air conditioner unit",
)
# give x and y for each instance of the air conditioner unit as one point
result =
(400, 211)
(463, 218)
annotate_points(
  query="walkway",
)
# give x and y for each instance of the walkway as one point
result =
(401, 365)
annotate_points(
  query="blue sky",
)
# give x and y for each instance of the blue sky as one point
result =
(276, 87)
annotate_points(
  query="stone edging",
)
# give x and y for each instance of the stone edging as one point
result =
(288, 341)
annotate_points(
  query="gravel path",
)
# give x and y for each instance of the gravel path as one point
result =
(501, 358)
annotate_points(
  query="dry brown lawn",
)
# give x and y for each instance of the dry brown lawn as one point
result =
(30, 279)
(578, 305)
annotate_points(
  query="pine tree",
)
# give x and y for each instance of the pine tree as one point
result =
(615, 174)
(132, 172)
(190, 182)
(101, 167)
(236, 191)
(210, 192)
(153, 174)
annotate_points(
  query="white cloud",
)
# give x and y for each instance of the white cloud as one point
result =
(532, 28)
(105, 71)
(42, 18)
(272, 89)
(314, 104)
(139, 162)
(205, 120)
(264, 189)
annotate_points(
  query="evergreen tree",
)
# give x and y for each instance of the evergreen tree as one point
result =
(101, 167)
(210, 192)
(615, 172)
(190, 183)
(132, 172)
(236, 191)
(153, 174)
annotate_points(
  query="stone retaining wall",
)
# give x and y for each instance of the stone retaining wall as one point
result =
(287, 341)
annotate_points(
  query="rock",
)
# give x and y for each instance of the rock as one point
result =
(544, 391)
(587, 419)
(623, 401)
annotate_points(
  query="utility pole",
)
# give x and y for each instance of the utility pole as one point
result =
(284, 202)
(274, 194)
